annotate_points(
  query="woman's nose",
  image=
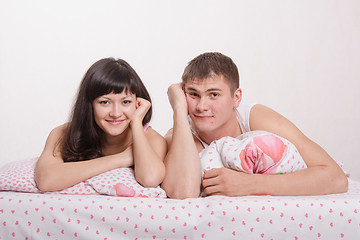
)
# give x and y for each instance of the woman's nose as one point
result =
(115, 111)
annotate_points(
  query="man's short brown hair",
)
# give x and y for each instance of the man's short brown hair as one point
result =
(212, 63)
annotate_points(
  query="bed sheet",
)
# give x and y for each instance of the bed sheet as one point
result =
(49, 216)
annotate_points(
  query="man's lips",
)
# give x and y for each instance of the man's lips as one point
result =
(202, 116)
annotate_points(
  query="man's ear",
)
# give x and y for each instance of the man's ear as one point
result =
(237, 97)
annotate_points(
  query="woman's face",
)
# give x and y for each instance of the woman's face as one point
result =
(113, 112)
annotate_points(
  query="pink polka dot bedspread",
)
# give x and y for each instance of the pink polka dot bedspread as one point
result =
(50, 216)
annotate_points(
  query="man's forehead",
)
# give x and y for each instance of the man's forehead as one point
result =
(215, 81)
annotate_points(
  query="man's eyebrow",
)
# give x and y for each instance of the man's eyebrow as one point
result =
(207, 90)
(213, 90)
(191, 89)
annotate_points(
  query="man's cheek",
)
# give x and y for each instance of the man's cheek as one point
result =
(190, 103)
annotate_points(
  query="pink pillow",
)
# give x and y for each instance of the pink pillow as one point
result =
(18, 176)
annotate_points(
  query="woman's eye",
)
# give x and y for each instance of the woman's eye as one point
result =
(126, 102)
(104, 102)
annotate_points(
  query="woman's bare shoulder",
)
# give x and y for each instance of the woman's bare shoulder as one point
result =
(56, 134)
(152, 133)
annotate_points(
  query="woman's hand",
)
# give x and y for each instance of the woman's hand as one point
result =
(125, 159)
(142, 107)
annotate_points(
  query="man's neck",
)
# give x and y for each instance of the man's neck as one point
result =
(231, 128)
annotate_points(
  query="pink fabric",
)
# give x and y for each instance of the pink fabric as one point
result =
(253, 152)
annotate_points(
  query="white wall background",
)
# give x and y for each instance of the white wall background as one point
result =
(301, 58)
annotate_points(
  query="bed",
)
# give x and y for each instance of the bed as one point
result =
(26, 213)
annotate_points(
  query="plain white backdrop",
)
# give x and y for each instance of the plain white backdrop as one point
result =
(301, 58)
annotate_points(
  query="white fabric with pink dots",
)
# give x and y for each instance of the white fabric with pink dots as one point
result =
(50, 216)
(18, 176)
(253, 152)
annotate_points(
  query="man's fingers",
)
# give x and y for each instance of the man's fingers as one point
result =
(211, 173)
(212, 190)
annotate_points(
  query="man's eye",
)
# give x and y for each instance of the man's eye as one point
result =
(192, 94)
(214, 95)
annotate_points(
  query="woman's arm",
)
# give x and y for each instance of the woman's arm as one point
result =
(323, 175)
(183, 167)
(149, 149)
(53, 174)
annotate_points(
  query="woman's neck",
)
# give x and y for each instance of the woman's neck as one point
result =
(112, 145)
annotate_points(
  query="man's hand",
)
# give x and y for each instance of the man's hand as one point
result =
(227, 182)
(177, 97)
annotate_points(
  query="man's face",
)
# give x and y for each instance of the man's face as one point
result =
(211, 103)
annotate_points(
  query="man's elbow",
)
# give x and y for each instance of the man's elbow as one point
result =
(178, 193)
(184, 195)
(150, 180)
(341, 183)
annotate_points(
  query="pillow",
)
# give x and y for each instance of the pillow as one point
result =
(18, 176)
(253, 152)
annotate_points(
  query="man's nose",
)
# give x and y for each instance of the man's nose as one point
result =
(202, 104)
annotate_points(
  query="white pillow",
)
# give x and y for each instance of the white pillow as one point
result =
(18, 176)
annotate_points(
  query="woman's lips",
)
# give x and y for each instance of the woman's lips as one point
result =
(114, 122)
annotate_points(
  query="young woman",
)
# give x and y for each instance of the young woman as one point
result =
(108, 129)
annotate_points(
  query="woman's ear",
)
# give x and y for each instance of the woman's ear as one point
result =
(237, 97)
(137, 103)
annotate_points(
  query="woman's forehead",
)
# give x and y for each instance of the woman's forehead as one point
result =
(121, 95)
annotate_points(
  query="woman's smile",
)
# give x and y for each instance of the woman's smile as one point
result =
(115, 122)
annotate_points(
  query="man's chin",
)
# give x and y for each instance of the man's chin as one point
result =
(203, 129)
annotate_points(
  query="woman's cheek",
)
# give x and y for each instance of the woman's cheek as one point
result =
(130, 111)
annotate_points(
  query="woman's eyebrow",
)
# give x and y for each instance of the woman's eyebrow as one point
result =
(128, 96)
(109, 98)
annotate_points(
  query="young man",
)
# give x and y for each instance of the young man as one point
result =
(206, 107)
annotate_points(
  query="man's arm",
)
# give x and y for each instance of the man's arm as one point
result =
(323, 175)
(182, 162)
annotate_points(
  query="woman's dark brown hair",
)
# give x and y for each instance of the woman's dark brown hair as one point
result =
(82, 139)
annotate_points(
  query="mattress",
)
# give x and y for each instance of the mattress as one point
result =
(67, 216)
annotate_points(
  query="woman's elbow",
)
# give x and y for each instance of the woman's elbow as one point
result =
(43, 185)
